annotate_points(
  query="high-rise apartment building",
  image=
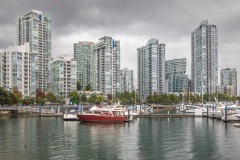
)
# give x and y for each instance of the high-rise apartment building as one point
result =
(105, 66)
(175, 75)
(151, 68)
(204, 58)
(228, 77)
(127, 80)
(16, 70)
(82, 54)
(35, 28)
(62, 76)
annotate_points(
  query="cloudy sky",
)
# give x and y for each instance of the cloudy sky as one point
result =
(133, 22)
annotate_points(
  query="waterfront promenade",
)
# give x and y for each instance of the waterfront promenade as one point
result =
(27, 109)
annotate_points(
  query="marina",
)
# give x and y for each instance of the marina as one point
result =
(130, 112)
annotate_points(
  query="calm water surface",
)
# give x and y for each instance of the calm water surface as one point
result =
(34, 138)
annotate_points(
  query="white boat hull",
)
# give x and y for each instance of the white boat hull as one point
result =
(70, 117)
(217, 114)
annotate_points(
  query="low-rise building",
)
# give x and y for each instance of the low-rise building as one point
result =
(229, 90)
(228, 77)
(127, 80)
(16, 69)
(62, 76)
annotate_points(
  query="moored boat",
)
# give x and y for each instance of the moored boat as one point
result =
(101, 118)
(97, 114)
(70, 117)
(70, 114)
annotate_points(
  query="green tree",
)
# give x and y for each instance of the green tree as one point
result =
(17, 94)
(40, 101)
(74, 97)
(11, 98)
(99, 99)
(26, 101)
(88, 87)
(79, 86)
(150, 98)
(7, 97)
(60, 99)
(51, 97)
(40, 98)
(92, 99)
(83, 98)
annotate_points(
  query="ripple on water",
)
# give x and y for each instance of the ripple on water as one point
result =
(160, 138)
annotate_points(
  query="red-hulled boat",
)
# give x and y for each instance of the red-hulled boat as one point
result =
(103, 115)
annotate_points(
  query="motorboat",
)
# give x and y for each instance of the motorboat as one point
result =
(234, 116)
(217, 114)
(236, 125)
(70, 114)
(104, 114)
(192, 109)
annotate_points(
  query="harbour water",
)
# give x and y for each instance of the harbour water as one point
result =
(34, 138)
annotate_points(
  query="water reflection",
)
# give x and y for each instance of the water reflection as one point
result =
(110, 141)
(158, 138)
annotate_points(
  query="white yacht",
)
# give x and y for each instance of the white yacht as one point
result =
(70, 115)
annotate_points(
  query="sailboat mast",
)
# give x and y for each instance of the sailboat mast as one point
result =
(189, 95)
(202, 87)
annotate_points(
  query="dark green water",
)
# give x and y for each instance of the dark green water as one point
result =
(34, 138)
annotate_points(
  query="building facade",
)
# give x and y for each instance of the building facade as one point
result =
(62, 76)
(35, 28)
(228, 77)
(82, 55)
(16, 70)
(226, 90)
(176, 77)
(105, 66)
(127, 80)
(151, 69)
(204, 66)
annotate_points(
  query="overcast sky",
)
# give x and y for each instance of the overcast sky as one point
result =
(133, 22)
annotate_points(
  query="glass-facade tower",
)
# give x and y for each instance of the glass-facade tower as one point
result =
(204, 50)
(35, 28)
(105, 66)
(175, 75)
(82, 55)
(151, 68)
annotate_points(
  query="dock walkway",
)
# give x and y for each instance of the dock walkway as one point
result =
(166, 115)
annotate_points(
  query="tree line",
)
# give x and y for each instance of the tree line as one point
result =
(127, 98)
(14, 97)
(188, 98)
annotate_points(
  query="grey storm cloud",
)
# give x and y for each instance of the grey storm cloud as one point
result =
(133, 22)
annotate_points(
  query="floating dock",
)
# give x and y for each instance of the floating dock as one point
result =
(165, 115)
(182, 116)
(51, 115)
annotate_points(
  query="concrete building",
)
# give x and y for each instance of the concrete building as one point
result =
(105, 66)
(204, 66)
(62, 76)
(226, 90)
(228, 77)
(176, 77)
(16, 70)
(151, 68)
(82, 54)
(127, 80)
(35, 28)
